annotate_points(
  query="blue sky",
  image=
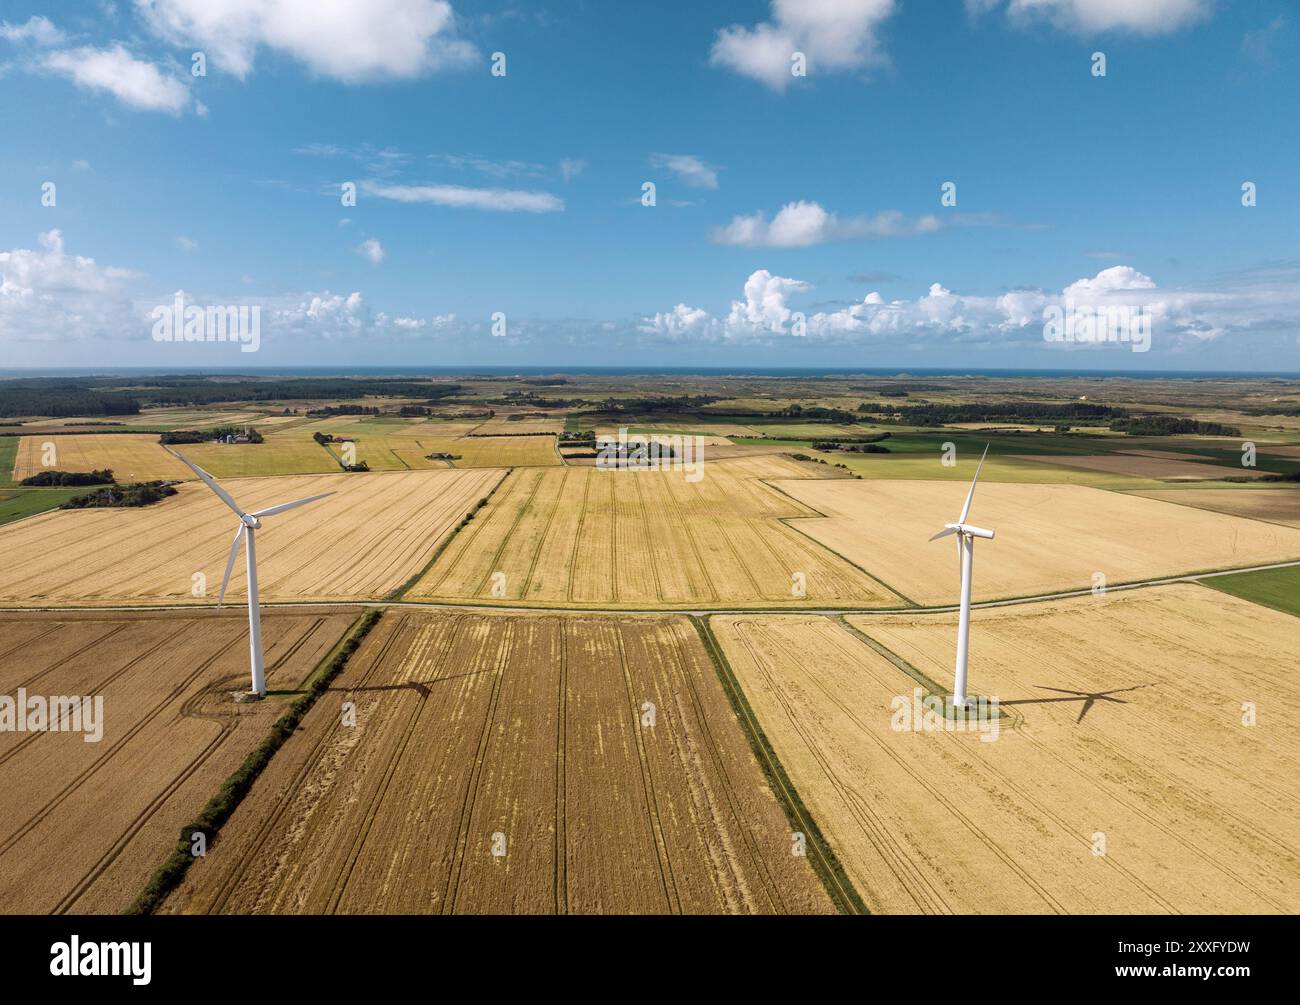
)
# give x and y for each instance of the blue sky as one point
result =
(780, 199)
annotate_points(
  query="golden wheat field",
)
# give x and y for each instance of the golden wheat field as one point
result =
(83, 825)
(513, 764)
(1050, 538)
(131, 457)
(1154, 798)
(584, 536)
(366, 541)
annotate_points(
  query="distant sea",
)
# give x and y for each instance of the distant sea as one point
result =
(632, 371)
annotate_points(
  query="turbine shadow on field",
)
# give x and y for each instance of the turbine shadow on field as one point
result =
(1089, 698)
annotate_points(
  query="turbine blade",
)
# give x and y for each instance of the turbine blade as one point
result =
(209, 481)
(944, 533)
(289, 505)
(230, 563)
(965, 510)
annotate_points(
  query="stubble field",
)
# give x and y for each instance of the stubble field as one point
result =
(1193, 810)
(132, 457)
(591, 537)
(503, 764)
(83, 825)
(364, 542)
(1050, 538)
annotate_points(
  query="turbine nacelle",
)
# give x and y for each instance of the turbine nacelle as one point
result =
(250, 521)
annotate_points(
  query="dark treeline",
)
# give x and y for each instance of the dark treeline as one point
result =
(134, 494)
(1171, 425)
(931, 414)
(62, 399)
(67, 396)
(70, 478)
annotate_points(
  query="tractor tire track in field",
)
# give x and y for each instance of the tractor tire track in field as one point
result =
(190, 709)
(470, 797)
(561, 881)
(394, 759)
(98, 687)
(939, 798)
(918, 886)
(845, 643)
(541, 538)
(771, 888)
(648, 797)
(117, 747)
(266, 827)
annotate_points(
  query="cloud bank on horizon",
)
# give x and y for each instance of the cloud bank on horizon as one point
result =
(817, 144)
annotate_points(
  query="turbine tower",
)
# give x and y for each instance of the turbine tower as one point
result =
(966, 534)
(248, 524)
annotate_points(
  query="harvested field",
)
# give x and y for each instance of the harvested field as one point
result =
(523, 733)
(83, 825)
(286, 452)
(1198, 811)
(1145, 465)
(583, 536)
(1274, 505)
(1051, 538)
(132, 458)
(364, 542)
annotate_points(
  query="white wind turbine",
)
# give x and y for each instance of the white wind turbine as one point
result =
(966, 534)
(248, 523)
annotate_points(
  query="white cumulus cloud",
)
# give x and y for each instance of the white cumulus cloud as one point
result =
(351, 42)
(114, 70)
(371, 250)
(834, 36)
(1145, 17)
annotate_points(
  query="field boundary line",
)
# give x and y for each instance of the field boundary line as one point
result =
(818, 544)
(825, 864)
(227, 798)
(409, 585)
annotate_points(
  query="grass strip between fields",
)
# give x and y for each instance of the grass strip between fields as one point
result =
(400, 592)
(839, 887)
(219, 808)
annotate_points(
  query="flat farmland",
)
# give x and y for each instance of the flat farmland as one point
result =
(364, 542)
(84, 824)
(583, 536)
(1274, 505)
(1197, 811)
(1151, 464)
(503, 764)
(1050, 538)
(132, 457)
(283, 452)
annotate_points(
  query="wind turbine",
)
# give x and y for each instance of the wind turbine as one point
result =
(248, 523)
(966, 534)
